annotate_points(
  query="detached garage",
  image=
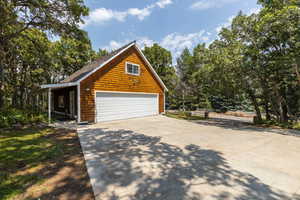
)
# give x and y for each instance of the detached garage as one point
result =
(118, 86)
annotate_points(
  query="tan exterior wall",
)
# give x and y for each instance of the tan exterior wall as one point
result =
(112, 77)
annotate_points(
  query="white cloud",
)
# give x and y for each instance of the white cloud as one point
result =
(253, 11)
(140, 13)
(113, 45)
(174, 42)
(102, 15)
(145, 42)
(229, 19)
(207, 4)
(163, 3)
(202, 5)
(141, 41)
(225, 24)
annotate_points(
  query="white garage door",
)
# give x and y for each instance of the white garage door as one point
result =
(115, 106)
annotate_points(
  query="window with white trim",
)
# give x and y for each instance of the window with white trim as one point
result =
(133, 69)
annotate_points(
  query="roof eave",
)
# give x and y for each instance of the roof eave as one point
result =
(59, 85)
(103, 64)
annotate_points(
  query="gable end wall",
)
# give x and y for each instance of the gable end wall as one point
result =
(112, 77)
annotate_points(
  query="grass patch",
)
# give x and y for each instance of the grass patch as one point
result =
(275, 124)
(184, 115)
(32, 156)
(20, 151)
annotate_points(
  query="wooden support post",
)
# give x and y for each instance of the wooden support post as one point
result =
(78, 104)
(49, 105)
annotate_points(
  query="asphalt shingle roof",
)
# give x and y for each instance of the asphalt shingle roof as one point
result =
(93, 65)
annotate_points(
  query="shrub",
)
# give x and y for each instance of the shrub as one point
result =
(297, 126)
(185, 113)
(12, 116)
(289, 125)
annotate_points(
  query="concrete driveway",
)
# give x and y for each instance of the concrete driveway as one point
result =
(169, 159)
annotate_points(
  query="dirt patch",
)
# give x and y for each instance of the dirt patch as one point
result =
(239, 114)
(60, 175)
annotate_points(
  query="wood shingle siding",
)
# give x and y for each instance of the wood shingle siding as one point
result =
(112, 77)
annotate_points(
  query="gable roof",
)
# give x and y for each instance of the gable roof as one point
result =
(93, 65)
(78, 76)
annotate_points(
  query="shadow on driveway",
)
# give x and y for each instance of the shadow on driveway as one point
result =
(234, 123)
(127, 165)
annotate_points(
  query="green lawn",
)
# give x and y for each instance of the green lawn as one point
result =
(24, 149)
(31, 158)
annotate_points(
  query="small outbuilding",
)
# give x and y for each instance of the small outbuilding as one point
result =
(118, 86)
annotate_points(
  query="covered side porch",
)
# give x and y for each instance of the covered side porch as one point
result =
(63, 101)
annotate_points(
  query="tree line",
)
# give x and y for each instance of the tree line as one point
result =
(40, 42)
(254, 64)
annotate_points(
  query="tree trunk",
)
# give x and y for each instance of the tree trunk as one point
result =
(21, 97)
(285, 117)
(1, 81)
(282, 110)
(266, 96)
(183, 101)
(15, 98)
(255, 104)
(1, 96)
(268, 116)
(283, 104)
(296, 66)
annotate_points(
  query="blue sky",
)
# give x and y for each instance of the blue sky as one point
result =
(174, 24)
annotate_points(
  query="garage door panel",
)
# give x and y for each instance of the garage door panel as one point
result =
(118, 117)
(115, 106)
(146, 106)
(136, 112)
(116, 111)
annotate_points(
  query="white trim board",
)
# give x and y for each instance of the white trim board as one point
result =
(59, 85)
(121, 92)
(78, 104)
(164, 103)
(134, 64)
